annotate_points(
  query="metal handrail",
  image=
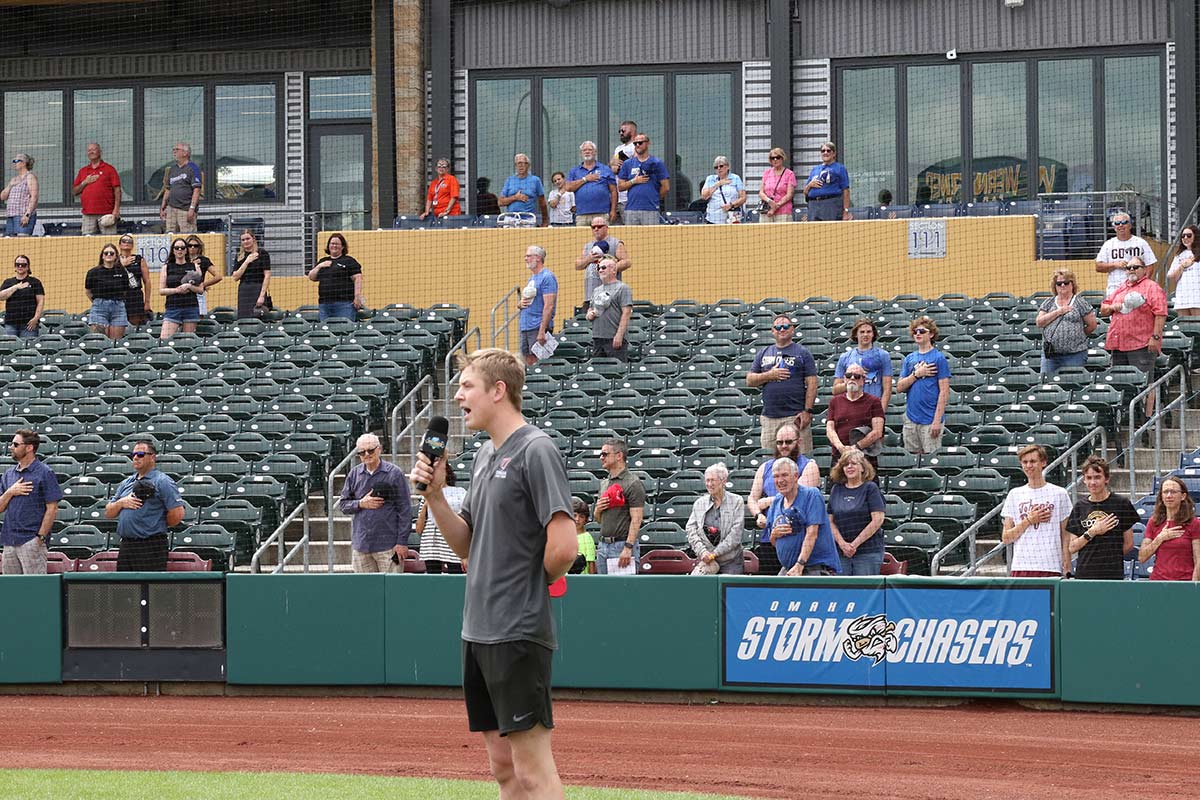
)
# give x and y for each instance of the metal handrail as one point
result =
(972, 531)
(277, 539)
(1156, 419)
(461, 344)
(329, 504)
(410, 400)
(507, 319)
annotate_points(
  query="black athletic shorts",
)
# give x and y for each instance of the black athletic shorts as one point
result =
(507, 686)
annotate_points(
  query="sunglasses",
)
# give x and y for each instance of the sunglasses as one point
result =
(786, 441)
(1063, 283)
(18, 161)
(1185, 236)
(826, 150)
(855, 377)
(193, 244)
(112, 253)
(920, 330)
(777, 158)
(365, 453)
(782, 327)
(1121, 222)
(24, 264)
(641, 141)
(179, 247)
(606, 454)
(598, 227)
(139, 454)
(17, 444)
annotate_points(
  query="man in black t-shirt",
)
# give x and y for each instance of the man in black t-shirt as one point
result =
(516, 529)
(24, 300)
(1101, 526)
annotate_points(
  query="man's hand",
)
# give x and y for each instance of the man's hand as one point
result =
(433, 476)
(526, 302)
(32, 325)
(371, 501)
(19, 489)
(797, 571)
(708, 557)
(641, 178)
(848, 548)
(626, 557)
(401, 551)
(541, 337)
(90, 179)
(602, 503)
(130, 502)
(779, 374)
(591, 314)
(191, 215)
(1104, 525)
(1039, 514)
(521, 196)
(935, 428)
(803, 420)
(924, 369)
(1154, 345)
(618, 340)
(760, 521)
(780, 530)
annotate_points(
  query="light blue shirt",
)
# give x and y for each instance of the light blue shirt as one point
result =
(722, 196)
(530, 185)
(545, 283)
(151, 518)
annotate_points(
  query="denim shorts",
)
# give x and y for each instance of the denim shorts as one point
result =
(343, 309)
(181, 315)
(108, 313)
(13, 226)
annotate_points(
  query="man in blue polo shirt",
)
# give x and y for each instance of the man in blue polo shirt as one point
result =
(646, 179)
(524, 192)
(797, 523)
(594, 185)
(30, 503)
(144, 505)
(828, 188)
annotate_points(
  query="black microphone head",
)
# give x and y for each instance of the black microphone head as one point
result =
(439, 425)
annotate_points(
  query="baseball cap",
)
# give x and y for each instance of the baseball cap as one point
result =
(600, 248)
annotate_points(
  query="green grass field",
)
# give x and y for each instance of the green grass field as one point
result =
(67, 784)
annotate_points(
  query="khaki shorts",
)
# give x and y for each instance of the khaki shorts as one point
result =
(177, 221)
(91, 224)
(917, 438)
(771, 426)
(375, 562)
(585, 220)
(25, 559)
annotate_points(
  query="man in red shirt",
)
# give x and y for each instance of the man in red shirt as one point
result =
(851, 411)
(1138, 308)
(98, 187)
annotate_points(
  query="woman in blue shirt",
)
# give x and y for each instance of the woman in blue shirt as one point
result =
(856, 513)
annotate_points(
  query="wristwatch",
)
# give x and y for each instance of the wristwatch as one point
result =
(1088, 536)
(1156, 337)
(808, 410)
(801, 564)
(629, 545)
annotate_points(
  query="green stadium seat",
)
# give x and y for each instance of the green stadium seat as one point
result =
(1016, 417)
(707, 437)
(138, 409)
(663, 533)
(62, 426)
(239, 517)
(85, 447)
(983, 486)
(223, 467)
(208, 541)
(194, 447)
(65, 467)
(116, 391)
(110, 470)
(218, 427)
(656, 463)
(201, 491)
(289, 468)
(916, 483)
(265, 492)
(79, 541)
(950, 460)
(84, 491)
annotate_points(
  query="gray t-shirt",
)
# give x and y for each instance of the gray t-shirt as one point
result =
(514, 492)
(609, 299)
(180, 183)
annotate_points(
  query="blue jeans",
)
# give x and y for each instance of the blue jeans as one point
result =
(862, 563)
(1052, 364)
(14, 227)
(20, 331)
(343, 309)
(607, 550)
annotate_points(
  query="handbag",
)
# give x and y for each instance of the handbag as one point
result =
(706, 567)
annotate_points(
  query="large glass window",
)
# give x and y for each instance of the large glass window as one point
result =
(105, 116)
(998, 147)
(639, 98)
(172, 114)
(245, 142)
(934, 135)
(339, 97)
(1066, 142)
(703, 130)
(1133, 124)
(33, 124)
(568, 118)
(869, 134)
(502, 113)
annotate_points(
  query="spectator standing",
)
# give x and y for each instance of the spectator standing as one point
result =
(24, 299)
(21, 198)
(626, 149)
(828, 188)
(1184, 276)
(1101, 526)
(485, 202)
(339, 281)
(777, 190)
(377, 498)
(763, 490)
(180, 282)
(585, 562)
(925, 378)
(539, 299)
(594, 187)
(788, 374)
(138, 310)
(1172, 534)
(725, 193)
(619, 509)
(874, 360)
(437, 554)
(1115, 254)
(252, 271)
(1035, 521)
(855, 419)
(856, 514)
(29, 495)
(622, 195)
(523, 192)
(1138, 308)
(716, 525)
(646, 179)
(1066, 320)
(107, 285)
(145, 505)
(798, 526)
(441, 199)
(561, 202)
(182, 184)
(602, 244)
(209, 275)
(609, 312)
(98, 187)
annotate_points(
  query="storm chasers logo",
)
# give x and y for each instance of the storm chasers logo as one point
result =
(819, 638)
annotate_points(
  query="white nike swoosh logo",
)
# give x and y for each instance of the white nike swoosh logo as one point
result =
(523, 717)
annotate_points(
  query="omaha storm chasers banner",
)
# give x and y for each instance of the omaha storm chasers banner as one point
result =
(968, 636)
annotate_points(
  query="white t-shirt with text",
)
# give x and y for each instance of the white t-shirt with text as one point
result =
(1040, 546)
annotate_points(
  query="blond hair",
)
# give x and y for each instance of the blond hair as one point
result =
(494, 365)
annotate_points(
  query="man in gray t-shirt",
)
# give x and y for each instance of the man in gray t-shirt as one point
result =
(610, 310)
(517, 530)
(182, 183)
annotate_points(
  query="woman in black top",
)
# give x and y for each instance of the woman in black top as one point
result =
(106, 285)
(210, 274)
(180, 282)
(137, 300)
(24, 300)
(253, 274)
(340, 292)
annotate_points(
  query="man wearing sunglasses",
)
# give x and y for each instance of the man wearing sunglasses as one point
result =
(1115, 254)
(378, 500)
(925, 379)
(29, 502)
(787, 374)
(145, 504)
(646, 179)
(602, 244)
(828, 188)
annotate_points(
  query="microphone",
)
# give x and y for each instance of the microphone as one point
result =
(434, 443)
